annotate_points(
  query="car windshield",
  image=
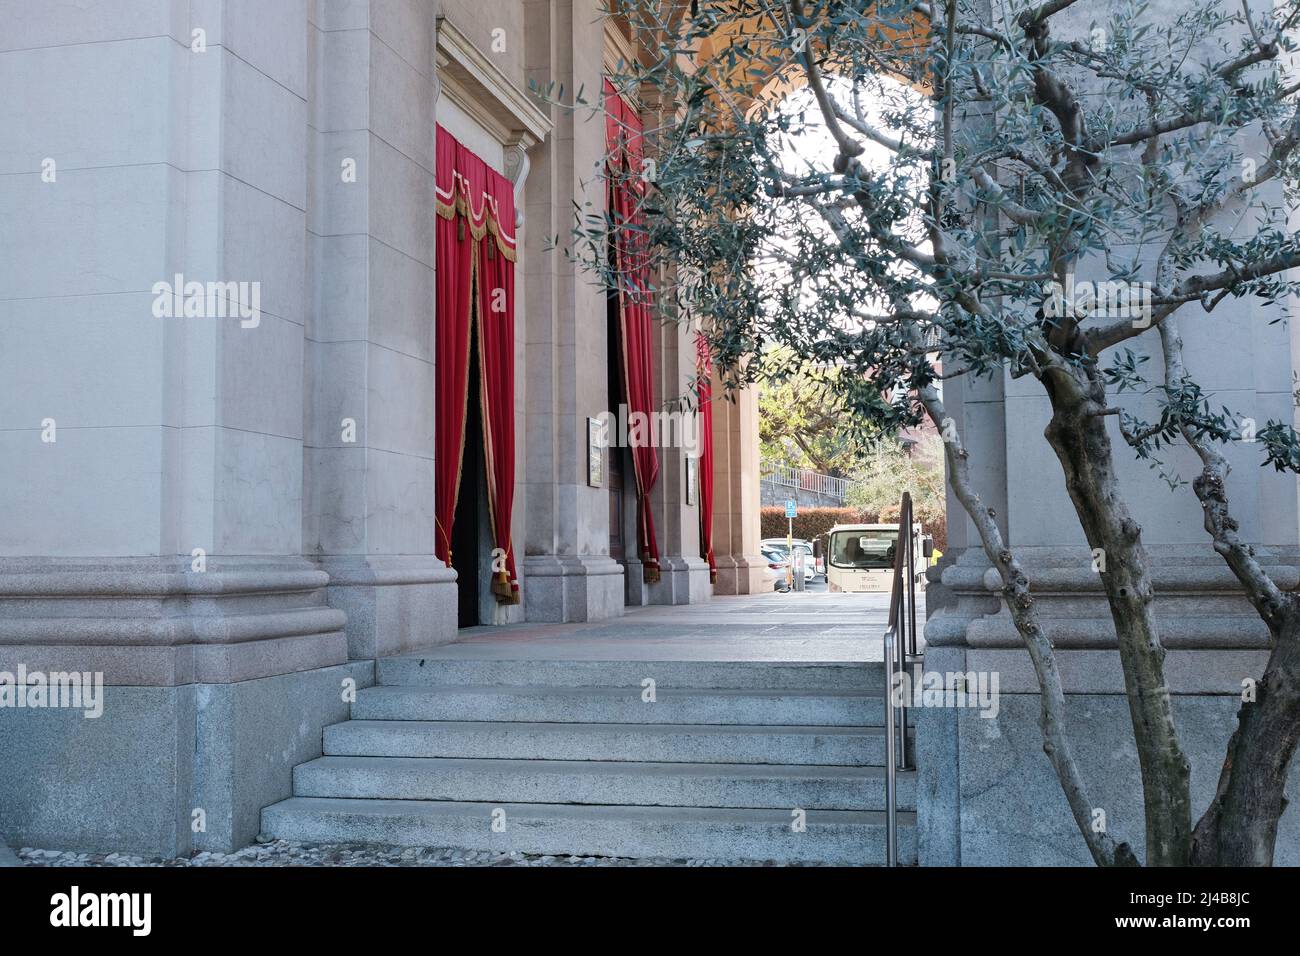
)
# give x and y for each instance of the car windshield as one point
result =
(864, 550)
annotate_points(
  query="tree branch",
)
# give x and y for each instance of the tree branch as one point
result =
(1021, 215)
(848, 145)
(1020, 603)
(1211, 490)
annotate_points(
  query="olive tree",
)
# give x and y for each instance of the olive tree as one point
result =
(1020, 187)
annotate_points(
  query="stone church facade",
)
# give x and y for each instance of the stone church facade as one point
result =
(232, 516)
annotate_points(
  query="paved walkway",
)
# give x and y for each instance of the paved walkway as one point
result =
(804, 626)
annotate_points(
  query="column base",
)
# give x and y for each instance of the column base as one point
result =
(636, 592)
(394, 603)
(681, 581)
(159, 622)
(987, 794)
(567, 588)
(741, 574)
(165, 771)
(207, 687)
(1198, 601)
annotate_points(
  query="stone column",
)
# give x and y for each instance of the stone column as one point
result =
(368, 515)
(151, 457)
(570, 575)
(684, 577)
(736, 528)
(684, 574)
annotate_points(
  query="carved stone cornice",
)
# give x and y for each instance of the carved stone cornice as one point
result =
(477, 85)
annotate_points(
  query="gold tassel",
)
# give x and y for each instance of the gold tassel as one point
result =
(505, 592)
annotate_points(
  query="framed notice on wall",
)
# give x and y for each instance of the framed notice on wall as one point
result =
(595, 453)
(692, 478)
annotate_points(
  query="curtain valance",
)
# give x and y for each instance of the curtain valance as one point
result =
(468, 186)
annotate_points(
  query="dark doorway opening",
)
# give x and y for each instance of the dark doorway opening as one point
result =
(616, 466)
(465, 533)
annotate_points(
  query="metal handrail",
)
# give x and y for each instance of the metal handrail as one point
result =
(899, 644)
(805, 479)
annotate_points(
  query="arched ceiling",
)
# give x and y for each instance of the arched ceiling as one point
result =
(738, 79)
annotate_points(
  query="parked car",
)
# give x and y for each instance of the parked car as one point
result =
(810, 568)
(778, 563)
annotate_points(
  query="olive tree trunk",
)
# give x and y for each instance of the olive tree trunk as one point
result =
(1240, 827)
(1077, 433)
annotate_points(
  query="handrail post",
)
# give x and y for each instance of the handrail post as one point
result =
(899, 644)
(902, 707)
(891, 771)
(911, 583)
(906, 623)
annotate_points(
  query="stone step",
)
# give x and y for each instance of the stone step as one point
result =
(612, 783)
(843, 837)
(417, 670)
(691, 743)
(620, 705)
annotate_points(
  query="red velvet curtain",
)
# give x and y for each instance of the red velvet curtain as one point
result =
(704, 391)
(623, 141)
(496, 312)
(455, 262)
(476, 282)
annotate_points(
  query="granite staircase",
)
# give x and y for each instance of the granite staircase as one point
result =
(572, 758)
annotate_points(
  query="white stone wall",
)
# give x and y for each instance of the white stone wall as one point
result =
(173, 434)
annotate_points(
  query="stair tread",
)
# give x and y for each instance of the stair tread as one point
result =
(439, 655)
(765, 675)
(637, 768)
(425, 726)
(450, 808)
(521, 690)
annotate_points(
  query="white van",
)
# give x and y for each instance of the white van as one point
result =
(860, 557)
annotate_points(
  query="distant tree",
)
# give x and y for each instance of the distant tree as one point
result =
(802, 422)
(1147, 156)
(890, 468)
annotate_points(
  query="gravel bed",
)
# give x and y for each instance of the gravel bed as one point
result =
(284, 853)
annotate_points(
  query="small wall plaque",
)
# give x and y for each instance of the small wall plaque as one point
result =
(595, 453)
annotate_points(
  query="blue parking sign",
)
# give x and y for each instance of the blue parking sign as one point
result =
(791, 509)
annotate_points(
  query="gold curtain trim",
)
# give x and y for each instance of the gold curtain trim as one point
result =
(461, 206)
(506, 591)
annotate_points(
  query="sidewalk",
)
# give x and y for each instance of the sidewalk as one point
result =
(809, 626)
